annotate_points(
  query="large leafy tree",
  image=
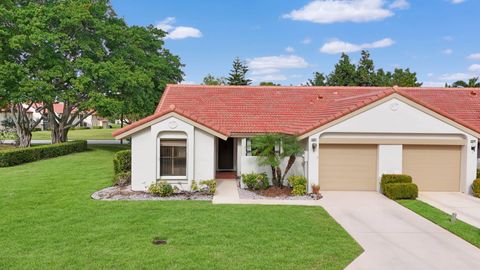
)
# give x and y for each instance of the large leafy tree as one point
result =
(272, 149)
(318, 79)
(238, 74)
(269, 84)
(471, 83)
(344, 73)
(212, 80)
(405, 78)
(80, 53)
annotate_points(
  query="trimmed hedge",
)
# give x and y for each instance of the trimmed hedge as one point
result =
(19, 156)
(476, 188)
(395, 179)
(122, 161)
(398, 191)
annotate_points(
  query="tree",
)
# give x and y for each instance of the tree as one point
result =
(211, 80)
(237, 75)
(405, 78)
(318, 80)
(471, 83)
(383, 78)
(365, 73)
(344, 73)
(80, 53)
(269, 84)
(272, 149)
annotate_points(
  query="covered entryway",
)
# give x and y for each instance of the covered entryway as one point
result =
(433, 167)
(348, 167)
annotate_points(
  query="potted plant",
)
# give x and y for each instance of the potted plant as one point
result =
(316, 191)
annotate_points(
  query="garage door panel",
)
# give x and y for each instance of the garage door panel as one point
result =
(347, 167)
(433, 167)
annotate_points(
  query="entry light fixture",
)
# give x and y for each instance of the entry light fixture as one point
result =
(314, 144)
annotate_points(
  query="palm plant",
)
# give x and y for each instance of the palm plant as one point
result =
(272, 149)
(471, 83)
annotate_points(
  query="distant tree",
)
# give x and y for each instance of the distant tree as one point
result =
(318, 79)
(237, 75)
(269, 84)
(383, 78)
(471, 83)
(365, 73)
(344, 73)
(405, 78)
(211, 80)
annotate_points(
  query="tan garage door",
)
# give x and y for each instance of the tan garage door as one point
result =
(433, 167)
(347, 167)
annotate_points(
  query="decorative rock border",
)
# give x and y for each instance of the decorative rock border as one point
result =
(126, 193)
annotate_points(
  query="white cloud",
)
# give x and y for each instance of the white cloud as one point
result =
(269, 68)
(474, 68)
(330, 11)
(454, 76)
(447, 51)
(177, 32)
(474, 56)
(399, 4)
(338, 46)
(306, 41)
(457, 1)
(289, 49)
(433, 84)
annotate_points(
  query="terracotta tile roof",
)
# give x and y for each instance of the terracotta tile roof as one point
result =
(232, 110)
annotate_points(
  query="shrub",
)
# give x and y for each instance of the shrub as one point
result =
(298, 184)
(97, 127)
(476, 188)
(210, 186)
(162, 189)
(256, 180)
(194, 186)
(122, 161)
(122, 179)
(398, 191)
(394, 179)
(29, 154)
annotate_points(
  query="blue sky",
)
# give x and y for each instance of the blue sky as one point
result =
(286, 41)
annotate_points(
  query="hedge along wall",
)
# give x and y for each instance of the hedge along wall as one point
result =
(24, 155)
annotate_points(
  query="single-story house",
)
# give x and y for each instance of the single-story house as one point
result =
(351, 135)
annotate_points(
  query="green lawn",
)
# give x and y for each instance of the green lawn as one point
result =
(79, 134)
(463, 230)
(48, 221)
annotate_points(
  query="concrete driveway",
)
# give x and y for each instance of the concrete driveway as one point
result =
(393, 237)
(467, 207)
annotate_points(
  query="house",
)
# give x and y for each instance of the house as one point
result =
(351, 135)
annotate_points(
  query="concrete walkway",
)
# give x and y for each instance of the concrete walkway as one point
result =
(466, 206)
(392, 236)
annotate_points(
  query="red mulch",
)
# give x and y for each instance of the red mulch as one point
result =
(275, 192)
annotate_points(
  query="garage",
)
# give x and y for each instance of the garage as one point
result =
(347, 167)
(433, 167)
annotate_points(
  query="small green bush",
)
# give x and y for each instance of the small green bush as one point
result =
(395, 179)
(162, 189)
(476, 188)
(298, 184)
(400, 191)
(256, 180)
(194, 186)
(210, 186)
(19, 156)
(122, 179)
(122, 161)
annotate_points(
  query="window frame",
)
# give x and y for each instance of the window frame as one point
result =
(172, 177)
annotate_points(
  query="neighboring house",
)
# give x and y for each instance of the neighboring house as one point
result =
(351, 135)
(5, 114)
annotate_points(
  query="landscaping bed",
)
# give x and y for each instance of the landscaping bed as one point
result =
(118, 193)
(274, 193)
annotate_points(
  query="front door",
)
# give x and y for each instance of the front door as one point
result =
(225, 160)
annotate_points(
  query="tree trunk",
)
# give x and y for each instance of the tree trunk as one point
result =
(291, 160)
(275, 182)
(25, 139)
(58, 132)
(23, 124)
(279, 176)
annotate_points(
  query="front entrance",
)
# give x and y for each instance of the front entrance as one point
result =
(225, 155)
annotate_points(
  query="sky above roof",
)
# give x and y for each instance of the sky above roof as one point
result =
(286, 41)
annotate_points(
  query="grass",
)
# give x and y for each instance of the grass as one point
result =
(6, 146)
(463, 230)
(79, 134)
(48, 221)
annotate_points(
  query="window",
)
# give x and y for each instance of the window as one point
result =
(173, 157)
